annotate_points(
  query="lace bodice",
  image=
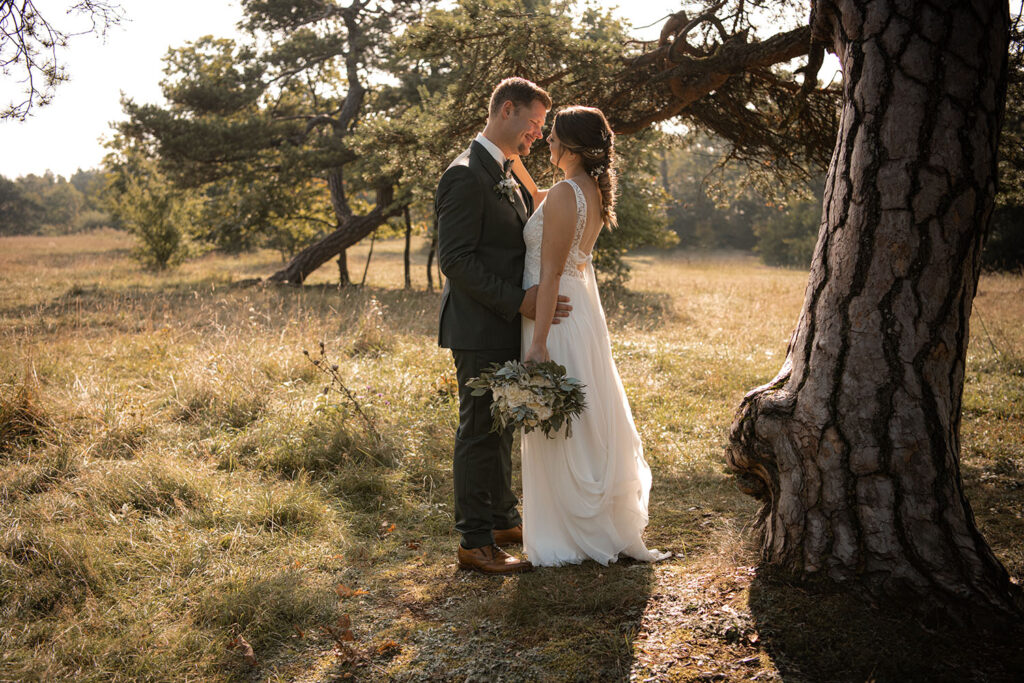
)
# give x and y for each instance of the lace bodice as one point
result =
(533, 235)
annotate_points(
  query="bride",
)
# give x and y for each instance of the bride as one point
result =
(584, 497)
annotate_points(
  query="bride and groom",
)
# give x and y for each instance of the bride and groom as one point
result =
(520, 284)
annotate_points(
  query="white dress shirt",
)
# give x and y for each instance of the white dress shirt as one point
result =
(499, 156)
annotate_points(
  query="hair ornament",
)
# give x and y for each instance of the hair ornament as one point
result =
(598, 171)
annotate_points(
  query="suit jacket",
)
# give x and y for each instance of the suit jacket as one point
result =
(481, 251)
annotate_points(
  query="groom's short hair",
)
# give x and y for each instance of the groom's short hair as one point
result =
(519, 92)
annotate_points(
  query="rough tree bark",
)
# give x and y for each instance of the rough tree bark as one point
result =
(854, 447)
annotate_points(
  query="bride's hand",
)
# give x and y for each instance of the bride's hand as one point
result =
(537, 354)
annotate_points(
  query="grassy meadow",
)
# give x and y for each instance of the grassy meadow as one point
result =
(180, 502)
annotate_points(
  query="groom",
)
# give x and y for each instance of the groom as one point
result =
(481, 209)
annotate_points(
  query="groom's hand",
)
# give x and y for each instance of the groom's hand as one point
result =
(529, 306)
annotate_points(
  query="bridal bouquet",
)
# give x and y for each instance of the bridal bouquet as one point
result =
(535, 396)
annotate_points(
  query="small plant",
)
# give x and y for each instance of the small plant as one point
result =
(160, 215)
(446, 387)
(335, 382)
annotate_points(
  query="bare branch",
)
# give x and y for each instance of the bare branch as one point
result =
(30, 45)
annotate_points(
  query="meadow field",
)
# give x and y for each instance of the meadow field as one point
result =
(179, 500)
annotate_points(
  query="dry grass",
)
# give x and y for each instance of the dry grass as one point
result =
(171, 477)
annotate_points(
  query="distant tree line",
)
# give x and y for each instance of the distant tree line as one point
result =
(713, 206)
(52, 205)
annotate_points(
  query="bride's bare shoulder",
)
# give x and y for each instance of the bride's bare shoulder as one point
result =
(560, 204)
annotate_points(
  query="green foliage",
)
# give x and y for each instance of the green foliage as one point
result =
(787, 237)
(32, 47)
(20, 214)
(640, 211)
(51, 205)
(266, 128)
(449, 63)
(160, 215)
(702, 212)
(1004, 249)
(716, 205)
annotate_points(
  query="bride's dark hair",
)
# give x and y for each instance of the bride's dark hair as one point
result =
(585, 131)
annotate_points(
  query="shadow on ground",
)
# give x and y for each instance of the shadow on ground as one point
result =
(572, 623)
(823, 634)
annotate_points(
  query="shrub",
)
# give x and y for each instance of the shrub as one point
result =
(158, 214)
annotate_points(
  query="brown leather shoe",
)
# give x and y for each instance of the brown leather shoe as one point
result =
(491, 559)
(511, 536)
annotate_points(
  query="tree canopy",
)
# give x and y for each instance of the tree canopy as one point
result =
(328, 122)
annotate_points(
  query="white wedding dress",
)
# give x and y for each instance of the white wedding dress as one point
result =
(583, 497)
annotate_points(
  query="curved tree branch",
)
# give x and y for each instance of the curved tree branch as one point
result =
(30, 45)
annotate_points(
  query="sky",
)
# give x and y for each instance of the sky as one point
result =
(68, 134)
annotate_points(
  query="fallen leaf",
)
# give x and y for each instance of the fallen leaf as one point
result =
(241, 644)
(342, 634)
(389, 648)
(413, 545)
(344, 591)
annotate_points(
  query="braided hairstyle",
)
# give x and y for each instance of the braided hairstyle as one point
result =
(585, 131)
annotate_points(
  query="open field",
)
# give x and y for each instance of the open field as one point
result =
(171, 479)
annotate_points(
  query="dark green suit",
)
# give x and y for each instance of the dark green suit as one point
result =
(481, 251)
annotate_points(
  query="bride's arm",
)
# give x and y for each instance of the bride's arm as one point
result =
(520, 170)
(559, 228)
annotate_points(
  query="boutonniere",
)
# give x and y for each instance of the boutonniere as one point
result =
(507, 187)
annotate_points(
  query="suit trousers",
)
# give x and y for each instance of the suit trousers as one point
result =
(482, 468)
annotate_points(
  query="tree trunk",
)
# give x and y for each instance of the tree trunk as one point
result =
(854, 447)
(343, 277)
(430, 259)
(350, 229)
(408, 247)
(664, 173)
(373, 239)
